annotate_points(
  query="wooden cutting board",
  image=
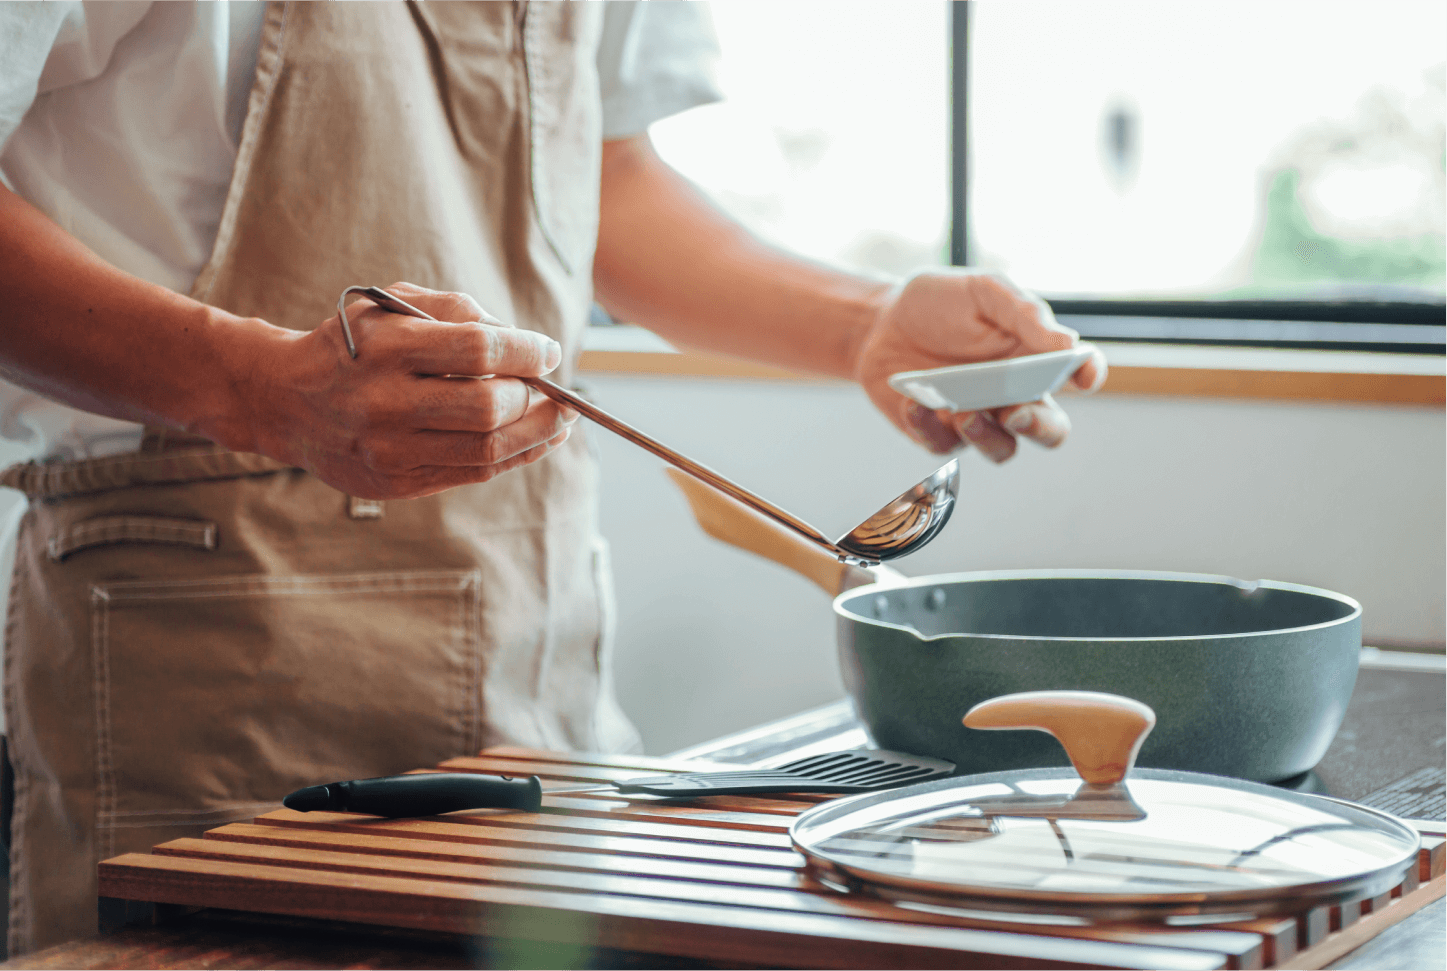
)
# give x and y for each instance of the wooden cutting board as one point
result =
(713, 879)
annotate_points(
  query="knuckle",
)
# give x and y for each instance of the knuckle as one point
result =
(491, 407)
(472, 348)
(491, 449)
(466, 308)
(403, 288)
(383, 455)
(494, 343)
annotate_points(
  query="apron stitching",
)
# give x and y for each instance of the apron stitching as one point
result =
(463, 680)
(458, 578)
(260, 586)
(137, 524)
(19, 902)
(242, 594)
(18, 931)
(544, 655)
(474, 636)
(105, 771)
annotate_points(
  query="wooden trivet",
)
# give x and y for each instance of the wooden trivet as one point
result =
(713, 879)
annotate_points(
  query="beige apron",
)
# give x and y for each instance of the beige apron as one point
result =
(193, 633)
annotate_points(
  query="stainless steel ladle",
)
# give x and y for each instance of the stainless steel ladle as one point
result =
(903, 525)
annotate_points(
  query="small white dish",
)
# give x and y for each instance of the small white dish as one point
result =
(991, 384)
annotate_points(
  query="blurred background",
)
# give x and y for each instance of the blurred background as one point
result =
(1229, 150)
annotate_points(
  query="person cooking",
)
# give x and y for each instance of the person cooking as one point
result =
(251, 561)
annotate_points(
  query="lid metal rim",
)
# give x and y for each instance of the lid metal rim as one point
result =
(1261, 900)
(1109, 907)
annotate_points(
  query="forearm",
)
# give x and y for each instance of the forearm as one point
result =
(668, 260)
(76, 329)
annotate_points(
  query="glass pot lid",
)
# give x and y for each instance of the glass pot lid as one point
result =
(1096, 843)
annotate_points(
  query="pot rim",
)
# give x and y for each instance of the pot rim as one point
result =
(973, 576)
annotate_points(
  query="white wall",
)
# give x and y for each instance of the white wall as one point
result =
(711, 640)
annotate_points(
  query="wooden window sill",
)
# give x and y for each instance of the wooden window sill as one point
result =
(1164, 370)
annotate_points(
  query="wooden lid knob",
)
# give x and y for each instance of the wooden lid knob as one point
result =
(1101, 733)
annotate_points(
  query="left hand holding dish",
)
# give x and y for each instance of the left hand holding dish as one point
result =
(940, 318)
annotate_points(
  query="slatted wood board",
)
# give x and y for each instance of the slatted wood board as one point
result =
(713, 879)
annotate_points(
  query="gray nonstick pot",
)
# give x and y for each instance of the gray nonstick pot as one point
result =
(1251, 679)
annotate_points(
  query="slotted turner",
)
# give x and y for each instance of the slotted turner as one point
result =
(861, 770)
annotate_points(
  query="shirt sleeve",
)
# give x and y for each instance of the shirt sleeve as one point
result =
(655, 58)
(45, 46)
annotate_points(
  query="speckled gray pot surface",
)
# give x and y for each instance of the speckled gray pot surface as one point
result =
(1247, 679)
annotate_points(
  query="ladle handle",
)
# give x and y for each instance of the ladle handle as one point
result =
(731, 522)
(1101, 733)
(697, 470)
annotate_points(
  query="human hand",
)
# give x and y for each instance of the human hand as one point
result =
(945, 317)
(408, 417)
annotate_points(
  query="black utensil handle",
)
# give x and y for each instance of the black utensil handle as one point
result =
(423, 794)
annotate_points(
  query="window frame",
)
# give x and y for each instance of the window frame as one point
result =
(1265, 323)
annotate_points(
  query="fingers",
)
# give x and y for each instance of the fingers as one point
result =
(930, 429)
(464, 339)
(980, 429)
(1090, 376)
(427, 481)
(464, 404)
(1040, 421)
(542, 424)
(994, 433)
(475, 349)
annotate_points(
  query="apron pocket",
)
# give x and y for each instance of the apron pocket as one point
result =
(105, 530)
(216, 697)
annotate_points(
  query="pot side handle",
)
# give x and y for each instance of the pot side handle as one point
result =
(730, 521)
(1101, 733)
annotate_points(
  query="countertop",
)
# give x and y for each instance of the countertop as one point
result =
(1388, 753)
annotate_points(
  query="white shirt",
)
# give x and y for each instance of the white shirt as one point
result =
(120, 121)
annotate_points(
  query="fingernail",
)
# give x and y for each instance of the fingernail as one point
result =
(1020, 420)
(554, 353)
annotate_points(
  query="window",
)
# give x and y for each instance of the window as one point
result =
(1237, 172)
(834, 140)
